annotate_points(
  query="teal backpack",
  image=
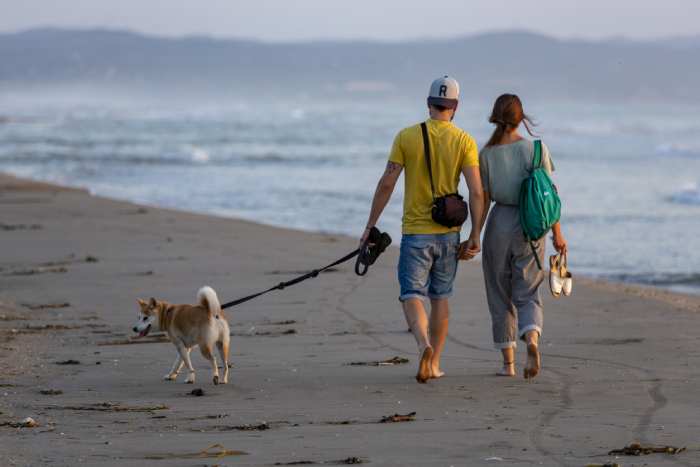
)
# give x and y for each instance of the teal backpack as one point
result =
(539, 203)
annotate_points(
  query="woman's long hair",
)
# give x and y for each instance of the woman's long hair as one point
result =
(507, 115)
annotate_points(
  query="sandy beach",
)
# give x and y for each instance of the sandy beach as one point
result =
(620, 364)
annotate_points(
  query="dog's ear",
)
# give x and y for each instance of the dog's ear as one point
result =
(142, 303)
(152, 302)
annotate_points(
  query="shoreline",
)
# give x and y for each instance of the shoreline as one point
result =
(687, 301)
(314, 368)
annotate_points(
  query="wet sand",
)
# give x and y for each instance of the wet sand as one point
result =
(620, 364)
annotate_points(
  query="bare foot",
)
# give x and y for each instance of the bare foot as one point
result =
(424, 373)
(507, 370)
(532, 367)
(435, 372)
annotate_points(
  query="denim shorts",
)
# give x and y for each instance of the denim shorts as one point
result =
(428, 265)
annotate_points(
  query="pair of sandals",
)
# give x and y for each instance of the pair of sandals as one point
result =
(560, 279)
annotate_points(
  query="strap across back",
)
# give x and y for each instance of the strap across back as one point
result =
(426, 150)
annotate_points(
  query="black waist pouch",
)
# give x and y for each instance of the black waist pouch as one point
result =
(449, 210)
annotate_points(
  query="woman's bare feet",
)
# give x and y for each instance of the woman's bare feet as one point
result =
(424, 372)
(507, 370)
(532, 367)
(508, 355)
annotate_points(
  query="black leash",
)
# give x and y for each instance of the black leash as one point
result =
(367, 254)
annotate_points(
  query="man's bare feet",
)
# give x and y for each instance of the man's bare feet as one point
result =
(435, 372)
(424, 373)
(532, 367)
(507, 370)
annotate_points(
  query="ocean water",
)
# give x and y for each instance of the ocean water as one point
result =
(628, 175)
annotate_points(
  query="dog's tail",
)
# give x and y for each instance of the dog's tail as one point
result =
(208, 299)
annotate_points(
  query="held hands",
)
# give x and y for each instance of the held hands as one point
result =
(469, 248)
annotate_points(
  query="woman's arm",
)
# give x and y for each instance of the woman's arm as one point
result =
(465, 252)
(487, 207)
(558, 240)
(557, 237)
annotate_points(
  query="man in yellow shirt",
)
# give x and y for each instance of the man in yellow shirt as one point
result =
(429, 251)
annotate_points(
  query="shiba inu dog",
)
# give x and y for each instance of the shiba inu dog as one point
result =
(188, 326)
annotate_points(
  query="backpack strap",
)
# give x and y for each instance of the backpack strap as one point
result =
(537, 159)
(535, 253)
(426, 150)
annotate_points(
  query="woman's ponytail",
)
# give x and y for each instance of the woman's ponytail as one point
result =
(507, 115)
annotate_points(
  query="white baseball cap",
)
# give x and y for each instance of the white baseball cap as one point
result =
(445, 92)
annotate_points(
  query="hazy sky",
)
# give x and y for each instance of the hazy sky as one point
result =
(282, 20)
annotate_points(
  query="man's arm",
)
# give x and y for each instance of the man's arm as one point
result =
(476, 206)
(382, 194)
(465, 251)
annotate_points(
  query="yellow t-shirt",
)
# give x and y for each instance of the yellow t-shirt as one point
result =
(451, 150)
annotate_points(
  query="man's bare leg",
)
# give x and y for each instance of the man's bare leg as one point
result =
(532, 367)
(439, 319)
(417, 321)
(508, 362)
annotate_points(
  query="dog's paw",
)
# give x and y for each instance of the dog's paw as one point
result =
(224, 381)
(170, 377)
(190, 379)
(216, 379)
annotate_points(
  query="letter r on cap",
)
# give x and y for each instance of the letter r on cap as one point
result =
(443, 91)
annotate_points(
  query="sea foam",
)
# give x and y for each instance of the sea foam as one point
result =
(688, 194)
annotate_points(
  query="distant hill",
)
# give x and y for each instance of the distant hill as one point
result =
(691, 42)
(485, 64)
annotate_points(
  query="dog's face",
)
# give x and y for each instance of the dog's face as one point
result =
(147, 314)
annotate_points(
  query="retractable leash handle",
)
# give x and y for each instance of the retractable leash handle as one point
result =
(376, 243)
(361, 266)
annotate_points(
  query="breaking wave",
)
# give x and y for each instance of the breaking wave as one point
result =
(193, 157)
(689, 194)
(678, 150)
(659, 279)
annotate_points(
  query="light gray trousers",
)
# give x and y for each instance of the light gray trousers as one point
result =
(512, 277)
